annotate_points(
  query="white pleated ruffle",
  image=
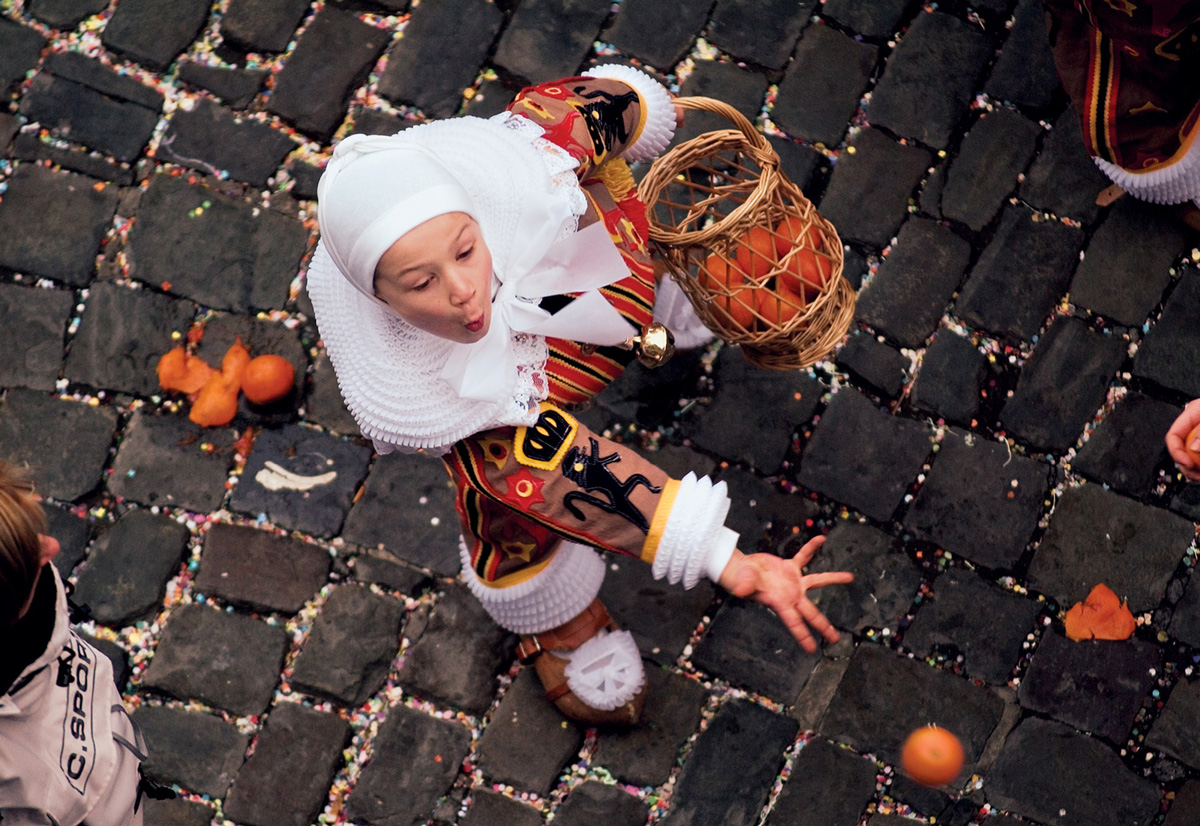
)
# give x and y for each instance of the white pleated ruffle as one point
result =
(695, 541)
(606, 671)
(1173, 184)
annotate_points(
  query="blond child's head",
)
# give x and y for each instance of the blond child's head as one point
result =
(23, 547)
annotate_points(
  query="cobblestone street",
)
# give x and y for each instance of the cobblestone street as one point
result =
(984, 447)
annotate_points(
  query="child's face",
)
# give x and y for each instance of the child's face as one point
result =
(438, 278)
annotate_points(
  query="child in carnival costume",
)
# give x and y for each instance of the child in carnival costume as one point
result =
(476, 279)
(70, 752)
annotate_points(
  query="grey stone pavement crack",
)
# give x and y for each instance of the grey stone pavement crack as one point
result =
(300, 657)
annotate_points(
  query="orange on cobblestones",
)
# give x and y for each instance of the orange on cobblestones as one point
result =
(932, 756)
(267, 379)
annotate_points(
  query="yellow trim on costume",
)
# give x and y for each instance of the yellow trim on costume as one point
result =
(643, 115)
(617, 178)
(659, 524)
(560, 450)
(517, 577)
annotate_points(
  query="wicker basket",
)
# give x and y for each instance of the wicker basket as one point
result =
(704, 196)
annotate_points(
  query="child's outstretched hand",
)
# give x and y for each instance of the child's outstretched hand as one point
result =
(1178, 448)
(781, 585)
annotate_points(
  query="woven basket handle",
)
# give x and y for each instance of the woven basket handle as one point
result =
(720, 107)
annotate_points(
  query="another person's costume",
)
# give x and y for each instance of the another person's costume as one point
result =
(1132, 70)
(70, 752)
(537, 491)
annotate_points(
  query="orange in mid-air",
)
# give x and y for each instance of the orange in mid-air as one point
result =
(1187, 444)
(267, 379)
(932, 756)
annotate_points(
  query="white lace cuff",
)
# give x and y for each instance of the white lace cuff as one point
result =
(606, 671)
(657, 125)
(694, 541)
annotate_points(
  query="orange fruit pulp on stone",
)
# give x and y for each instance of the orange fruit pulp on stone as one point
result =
(267, 379)
(216, 404)
(932, 756)
(733, 298)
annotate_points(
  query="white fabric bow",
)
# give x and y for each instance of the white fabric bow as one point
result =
(540, 267)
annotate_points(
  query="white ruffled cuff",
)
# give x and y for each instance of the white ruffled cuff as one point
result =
(658, 112)
(695, 541)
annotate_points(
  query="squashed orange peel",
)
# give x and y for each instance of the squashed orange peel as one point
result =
(214, 393)
(1102, 616)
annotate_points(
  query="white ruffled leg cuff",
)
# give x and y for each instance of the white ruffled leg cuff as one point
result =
(672, 308)
(695, 541)
(555, 594)
(660, 111)
(1171, 184)
(606, 671)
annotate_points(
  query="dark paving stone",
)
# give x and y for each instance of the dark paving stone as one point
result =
(643, 755)
(748, 646)
(381, 568)
(262, 25)
(52, 223)
(1062, 385)
(1185, 622)
(528, 742)
(212, 138)
(494, 809)
(154, 35)
(20, 48)
(1063, 179)
(1096, 686)
(1185, 808)
(201, 752)
(161, 461)
(1020, 275)
(1127, 262)
(408, 508)
(879, 366)
(1187, 502)
(73, 534)
(223, 252)
(122, 335)
(761, 512)
(995, 151)
(885, 695)
(885, 579)
(548, 39)
(129, 566)
(32, 323)
(930, 199)
(286, 781)
(1173, 343)
(225, 660)
(1024, 73)
(979, 501)
(61, 445)
(351, 646)
(491, 98)
(1174, 731)
(828, 785)
(863, 457)
(869, 190)
(984, 624)
(908, 295)
(950, 379)
(305, 177)
(923, 799)
(659, 33)
(260, 570)
(759, 31)
(870, 18)
(679, 460)
(1096, 535)
(414, 762)
(1047, 772)
(375, 122)
(455, 653)
(320, 510)
(803, 165)
(30, 147)
(650, 396)
(117, 655)
(825, 80)
(9, 124)
(236, 87)
(79, 98)
(661, 616)
(444, 45)
(767, 403)
(1122, 451)
(733, 763)
(743, 89)
(330, 60)
(821, 686)
(177, 812)
(594, 802)
(65, 14)
(930, 79)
